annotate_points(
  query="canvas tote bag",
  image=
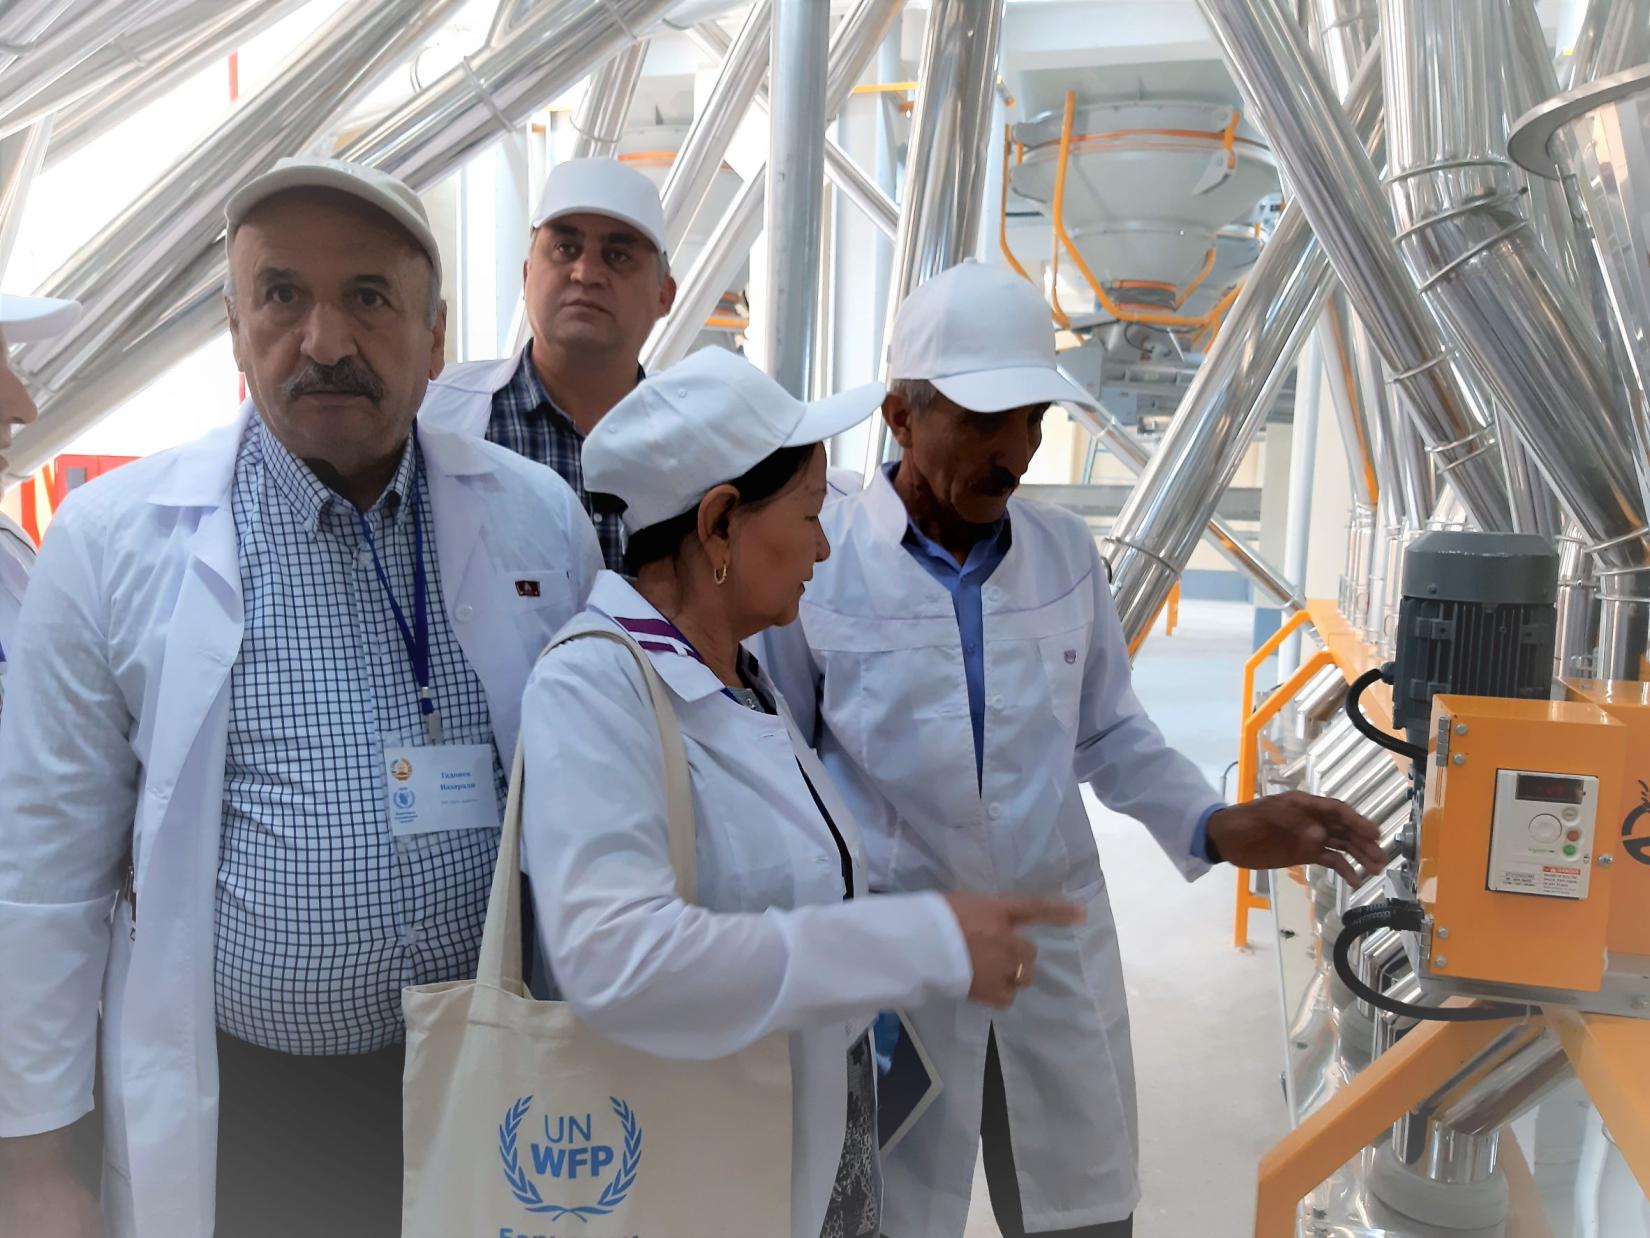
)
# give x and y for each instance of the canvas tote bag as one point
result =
(521, 1122)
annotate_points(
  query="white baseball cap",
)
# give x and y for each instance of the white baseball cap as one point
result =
(25, 319)
(371, 186)
(982, 335)
(603, 187)
(706, 420)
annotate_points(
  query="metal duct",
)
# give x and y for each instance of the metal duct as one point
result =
(1335, 330)
(707, 139)
(1577, 634)
(851, 180)
(1127, 449)
(22, 22)
(1339, 191)
(21, 155)
(1154, 535)
(181, 213)
(795, 201)
(149, 63)
(1584, 52)
(852, 45)
(946, 163)
(486, 97)
(420, 142)
(1615, 36)
(1594, 139)
(1343, 31)
(1453, 1136)
(601, 118)
(67, 43)
(1502, 298)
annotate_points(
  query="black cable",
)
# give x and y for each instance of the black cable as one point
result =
(1367, 728)
(1360, 922)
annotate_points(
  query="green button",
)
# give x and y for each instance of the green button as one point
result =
(1569, 850)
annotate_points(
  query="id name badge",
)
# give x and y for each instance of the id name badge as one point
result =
(441, 787)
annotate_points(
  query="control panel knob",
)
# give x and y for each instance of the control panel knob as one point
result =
(1546, 828)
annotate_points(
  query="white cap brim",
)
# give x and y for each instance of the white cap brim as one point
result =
(997, 391)
(825, 419)
(25, 319)
(606, 212)
(319, 176)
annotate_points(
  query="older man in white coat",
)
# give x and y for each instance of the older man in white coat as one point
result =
(21, 319)
(252, 784)
(596, 280)
(960, 664)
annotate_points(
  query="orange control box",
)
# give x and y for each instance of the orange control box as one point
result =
(1628, 703)
(1520, 842)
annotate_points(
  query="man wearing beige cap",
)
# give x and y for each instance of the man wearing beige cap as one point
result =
(596, 279)
(960, 664)
(251, 787)
(22, 319)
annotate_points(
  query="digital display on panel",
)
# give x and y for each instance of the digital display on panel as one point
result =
(1551, 789)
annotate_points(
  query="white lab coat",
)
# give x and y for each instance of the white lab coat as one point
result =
(874, 671)
(16, 560)
(772, 946)
(460, 398)
(116, 731)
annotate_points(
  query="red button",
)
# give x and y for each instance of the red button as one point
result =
(1574, 836)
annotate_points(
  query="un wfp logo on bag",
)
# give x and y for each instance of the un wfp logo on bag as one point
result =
(571, 1162)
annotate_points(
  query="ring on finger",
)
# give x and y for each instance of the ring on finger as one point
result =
(1019, 975)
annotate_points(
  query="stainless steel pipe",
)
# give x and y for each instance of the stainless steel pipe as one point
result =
(712, 130)
(1337, 187)
(796, 177)
(1154, 535)
(852, 45)
(601, 118)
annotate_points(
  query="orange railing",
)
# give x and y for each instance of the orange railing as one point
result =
(1254, 718)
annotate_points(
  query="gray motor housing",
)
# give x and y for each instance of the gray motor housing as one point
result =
(1477, 618)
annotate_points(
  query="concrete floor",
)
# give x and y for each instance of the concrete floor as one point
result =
(1207, 1027)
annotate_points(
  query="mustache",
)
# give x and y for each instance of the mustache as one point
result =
(345, 377)
(999, 481)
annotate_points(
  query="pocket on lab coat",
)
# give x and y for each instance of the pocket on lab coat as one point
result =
(1062, 657)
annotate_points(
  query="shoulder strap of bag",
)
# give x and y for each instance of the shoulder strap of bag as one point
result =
(500, 958)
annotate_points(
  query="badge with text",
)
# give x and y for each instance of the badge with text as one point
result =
(441, 787)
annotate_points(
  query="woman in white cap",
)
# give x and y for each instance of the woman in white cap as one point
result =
(22, 319)
(721, 476)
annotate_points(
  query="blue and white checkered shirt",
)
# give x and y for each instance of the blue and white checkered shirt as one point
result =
(527, 421)
(323, 915)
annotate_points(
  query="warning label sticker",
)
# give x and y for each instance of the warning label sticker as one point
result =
(1551, 880)
(1562, 881)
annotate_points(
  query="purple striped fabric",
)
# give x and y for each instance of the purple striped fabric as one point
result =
(642, 628)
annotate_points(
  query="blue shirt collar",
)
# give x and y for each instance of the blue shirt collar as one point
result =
(988, 551)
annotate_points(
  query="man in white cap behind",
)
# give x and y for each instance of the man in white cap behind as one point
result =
(22, 319)
(596, 279)
(960, 664)
(262, 686)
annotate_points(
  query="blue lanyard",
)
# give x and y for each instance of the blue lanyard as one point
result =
(416, 637)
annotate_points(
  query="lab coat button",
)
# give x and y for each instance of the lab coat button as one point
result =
(996, 702)
(993, 594)
(464, 612)
(995, 812)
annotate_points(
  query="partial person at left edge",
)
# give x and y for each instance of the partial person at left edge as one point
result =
(250, 787)
(22, 320)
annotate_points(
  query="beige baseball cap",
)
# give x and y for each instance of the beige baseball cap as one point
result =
(371, 186)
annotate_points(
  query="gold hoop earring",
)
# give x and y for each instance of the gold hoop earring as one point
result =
(721, 575)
